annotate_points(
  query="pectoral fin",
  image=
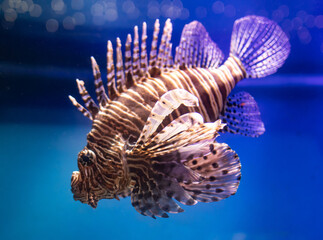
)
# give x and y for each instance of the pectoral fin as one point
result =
(242, 116)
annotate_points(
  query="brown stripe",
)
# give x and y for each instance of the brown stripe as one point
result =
(204, 95)
(221, 87)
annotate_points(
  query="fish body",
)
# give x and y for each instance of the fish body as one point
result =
(153, 132)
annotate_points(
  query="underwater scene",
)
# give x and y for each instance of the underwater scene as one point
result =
(206, 124)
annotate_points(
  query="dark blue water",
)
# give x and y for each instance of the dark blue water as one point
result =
(41, 133)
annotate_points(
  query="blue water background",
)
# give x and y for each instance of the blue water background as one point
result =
(41, 133)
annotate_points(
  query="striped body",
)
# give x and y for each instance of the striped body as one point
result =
(129, 112)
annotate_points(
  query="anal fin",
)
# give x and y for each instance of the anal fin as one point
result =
(241, 115)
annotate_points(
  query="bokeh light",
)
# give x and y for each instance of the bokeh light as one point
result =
(58, 6)
(69, 23)
(71, 14)
(319, 21)
(10, 15)
(218, 7)
(52, 25)
(79, 18)
(35, 10)
(153, 10)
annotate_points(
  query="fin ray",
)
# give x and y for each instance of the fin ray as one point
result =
(195, 43)
(242, 115)
(260, 44)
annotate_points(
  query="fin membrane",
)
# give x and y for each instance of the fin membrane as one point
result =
(182, 162)
(242, 116)
(260, 44)
(196, 48)
(220, 168)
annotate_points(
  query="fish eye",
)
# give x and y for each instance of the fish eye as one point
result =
(86, 157)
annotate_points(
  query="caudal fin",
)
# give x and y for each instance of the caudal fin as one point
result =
(260, 44)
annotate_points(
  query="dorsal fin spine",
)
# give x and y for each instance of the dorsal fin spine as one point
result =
(87, 99)
(120, 72)
(162, 45)
(143, 55)
(168, 51)
(112, 90)
(135, 56)
(153, 51)
(79, 107)
(176, 56)
(170, 57)
(99, 88)
(128, 62)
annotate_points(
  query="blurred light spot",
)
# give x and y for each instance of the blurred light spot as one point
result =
(218, 7)
(79, 18)
(128, 6)
(29, 3)
(277, 15)
(309, 22)
(22, 7)
(58, 6)
(153, 10)
(171, 9)
(35, 10)
(319, 21)
(111, 14)
(302, 15)
(200, 12)
(14, 3)
(69, 23)
(165, 4)
(229, 11)
(97, 9)
(185, 14)
(285, 10)
(131, 10)
(262, 12)
(304, 35)
(77, 4)
(297, 23)
(52, 25)
(10, 15)
(239, 236)
(287, 25)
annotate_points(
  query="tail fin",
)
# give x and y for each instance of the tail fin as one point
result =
(260, 44)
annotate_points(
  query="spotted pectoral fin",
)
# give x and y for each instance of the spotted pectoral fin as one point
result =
(196, 48)
(153, 196)
(242, 116)
(167, 168)
(206, 170)
(220, 170)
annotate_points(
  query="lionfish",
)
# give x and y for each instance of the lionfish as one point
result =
(153, 132)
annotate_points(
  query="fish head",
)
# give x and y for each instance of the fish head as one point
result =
(102, 173)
